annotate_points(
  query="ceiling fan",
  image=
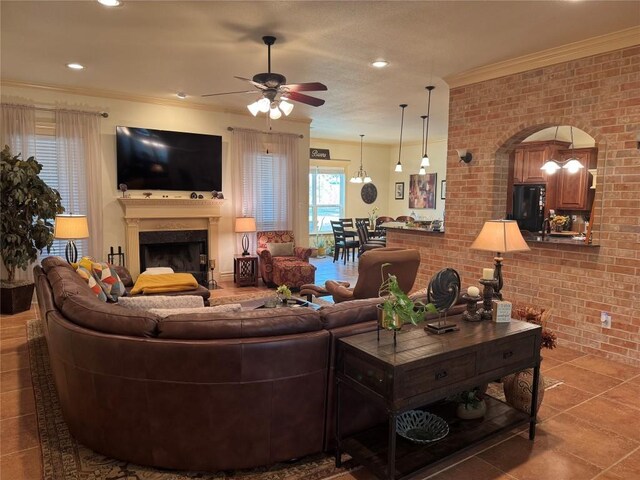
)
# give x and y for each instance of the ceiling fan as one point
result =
(275, 90)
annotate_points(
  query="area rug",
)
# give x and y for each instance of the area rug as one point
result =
(65, 459)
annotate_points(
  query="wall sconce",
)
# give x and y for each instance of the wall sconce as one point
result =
(465, 156)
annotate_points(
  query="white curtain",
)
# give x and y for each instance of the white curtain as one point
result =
(264, 178)
(19, 132)
(79, 175)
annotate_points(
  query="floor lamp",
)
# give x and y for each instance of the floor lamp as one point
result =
(71, 228)
(501, 236)
(245, 225)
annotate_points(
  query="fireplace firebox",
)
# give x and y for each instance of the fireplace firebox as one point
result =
(185, 251)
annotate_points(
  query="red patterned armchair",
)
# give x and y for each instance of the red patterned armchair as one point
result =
(281, 262)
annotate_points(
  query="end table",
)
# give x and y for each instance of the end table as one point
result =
(245, 270)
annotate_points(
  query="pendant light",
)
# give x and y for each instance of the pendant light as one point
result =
(425, 157)
(361, 176)
(572, 164)
(422, 169)
(399, 164)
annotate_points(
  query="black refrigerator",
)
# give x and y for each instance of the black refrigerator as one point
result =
(528, 206)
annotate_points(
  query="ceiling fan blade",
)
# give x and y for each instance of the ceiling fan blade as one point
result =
(227, 93)
(305, 87)
(302, 98)
(259, 85)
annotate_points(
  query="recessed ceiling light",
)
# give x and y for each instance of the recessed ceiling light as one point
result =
(379, 63)
(109, 3)
(75, 66)
(181, 95)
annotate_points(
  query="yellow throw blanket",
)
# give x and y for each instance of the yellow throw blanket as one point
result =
(165, 282)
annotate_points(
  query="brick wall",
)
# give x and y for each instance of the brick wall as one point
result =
(600, 95)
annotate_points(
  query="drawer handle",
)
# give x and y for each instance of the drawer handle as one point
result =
(440, 375)
(506, 355)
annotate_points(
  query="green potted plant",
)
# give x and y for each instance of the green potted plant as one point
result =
(28, 205)
(320, 244)
(471, 404)
(398, 308)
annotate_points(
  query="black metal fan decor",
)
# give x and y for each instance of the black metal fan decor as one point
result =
(443, 292)
(275, 91)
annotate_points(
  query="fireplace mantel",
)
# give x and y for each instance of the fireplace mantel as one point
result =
(162, 214)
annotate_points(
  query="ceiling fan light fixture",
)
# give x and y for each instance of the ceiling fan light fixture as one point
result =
(286, 107)
(254, 108)
(264, 105)
(274, 112)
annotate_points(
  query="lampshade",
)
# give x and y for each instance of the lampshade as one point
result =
(254, 108)
(274, 112)
(245, 225)
(285, 106)
(500, 236)
(71, 227)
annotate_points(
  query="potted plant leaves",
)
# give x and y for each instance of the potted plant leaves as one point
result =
(27, 208)
(471, 404)
(397, 308)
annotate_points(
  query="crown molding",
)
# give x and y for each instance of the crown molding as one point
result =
(572, 51)
(115, 95)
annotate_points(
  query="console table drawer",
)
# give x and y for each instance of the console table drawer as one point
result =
(433, 376)
(504, 354)
(365, 374)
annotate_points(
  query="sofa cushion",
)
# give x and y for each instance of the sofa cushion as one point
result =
(124, 275)
(263, 322)
(64, 281)
(284, 249)
(165, 312)
(89, 312)
(350, 312)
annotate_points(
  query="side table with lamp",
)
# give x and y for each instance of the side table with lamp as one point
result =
(245, 265)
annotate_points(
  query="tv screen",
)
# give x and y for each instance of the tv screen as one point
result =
(162, 160)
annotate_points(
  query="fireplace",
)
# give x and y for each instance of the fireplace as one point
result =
(173, 216)
(184, 251)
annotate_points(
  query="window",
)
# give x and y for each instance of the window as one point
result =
(47, 156)
(326, 198)
(271, 197)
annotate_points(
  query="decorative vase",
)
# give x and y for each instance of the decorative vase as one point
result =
(558, 228)
(467, 411)
(321, 252)
(16, 297)
(518, 390)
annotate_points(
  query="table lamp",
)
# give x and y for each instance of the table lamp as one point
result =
(71, 227)
(501, 236)
(245, 225)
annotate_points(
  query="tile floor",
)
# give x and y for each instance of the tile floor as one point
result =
(589, 425)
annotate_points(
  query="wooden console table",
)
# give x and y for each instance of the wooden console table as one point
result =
(422, 369)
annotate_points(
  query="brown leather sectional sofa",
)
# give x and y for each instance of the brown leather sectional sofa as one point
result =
(209, 392)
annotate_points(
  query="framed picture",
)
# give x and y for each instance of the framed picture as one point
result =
(399, 190)
(443, 189)
(422, 190)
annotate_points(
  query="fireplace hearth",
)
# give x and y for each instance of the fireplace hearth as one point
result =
(185, 251)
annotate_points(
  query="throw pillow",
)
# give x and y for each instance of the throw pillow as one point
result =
(108, 279)
(162, 301)
(280, 249)
(165, 312)
(88, 277)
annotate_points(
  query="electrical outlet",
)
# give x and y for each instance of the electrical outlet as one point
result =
(605, 320)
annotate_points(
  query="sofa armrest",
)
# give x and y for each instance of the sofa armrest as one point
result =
(265, 255)
(303, 253)
(339, 292)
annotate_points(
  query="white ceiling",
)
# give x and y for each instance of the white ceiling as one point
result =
(159, 48)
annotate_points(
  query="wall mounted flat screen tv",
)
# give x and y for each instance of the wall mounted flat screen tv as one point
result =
(163, 160)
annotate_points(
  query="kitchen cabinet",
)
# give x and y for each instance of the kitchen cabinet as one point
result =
(572, 189)
(529, 158)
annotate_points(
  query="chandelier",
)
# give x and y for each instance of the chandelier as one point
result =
(572, 164)
(361, 175)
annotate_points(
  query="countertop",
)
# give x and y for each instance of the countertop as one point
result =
(558, 240)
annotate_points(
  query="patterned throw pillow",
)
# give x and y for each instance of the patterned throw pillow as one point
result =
(108, 280)
(91, 281)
